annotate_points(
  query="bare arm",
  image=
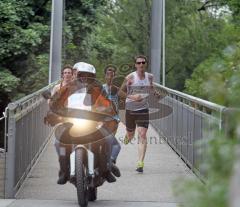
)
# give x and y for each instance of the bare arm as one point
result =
(156, 92)
(54, 90)
(122, 92)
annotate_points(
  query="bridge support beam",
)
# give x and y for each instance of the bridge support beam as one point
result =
(156, 38)
(56, 41)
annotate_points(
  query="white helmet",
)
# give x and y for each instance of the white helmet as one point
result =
(84, 67)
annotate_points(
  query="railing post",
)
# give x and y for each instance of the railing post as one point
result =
(10, 154)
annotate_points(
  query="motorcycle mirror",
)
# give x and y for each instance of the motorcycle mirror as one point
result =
(46, 94)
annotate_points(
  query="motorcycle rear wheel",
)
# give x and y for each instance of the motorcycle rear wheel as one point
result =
(81, 178)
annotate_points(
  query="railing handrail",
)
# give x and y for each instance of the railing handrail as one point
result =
(17, 103)
(188, 97)
(191, 98)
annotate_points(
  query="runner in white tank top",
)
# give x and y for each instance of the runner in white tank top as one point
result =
(138, 86)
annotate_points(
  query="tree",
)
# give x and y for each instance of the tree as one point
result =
(217, 79)
(222, 70)
(232, 5)
(221, 67)
(123, 31)
(23, 32)
(80, 20)
(191, 37)
(24, 37)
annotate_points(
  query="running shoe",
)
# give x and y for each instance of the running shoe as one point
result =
(140, 166)
(126, 140)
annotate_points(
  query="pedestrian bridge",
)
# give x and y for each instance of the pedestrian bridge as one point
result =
(178, 122)
(180, 125)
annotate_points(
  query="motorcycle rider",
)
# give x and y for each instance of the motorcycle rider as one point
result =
(86, 76)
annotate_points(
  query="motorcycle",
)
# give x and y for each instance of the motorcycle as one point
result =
(86, 132)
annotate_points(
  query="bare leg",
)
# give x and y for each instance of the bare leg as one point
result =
(130, 135)
(142, 146)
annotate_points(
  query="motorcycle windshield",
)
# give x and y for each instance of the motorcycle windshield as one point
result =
(80, 100)
(85, 108)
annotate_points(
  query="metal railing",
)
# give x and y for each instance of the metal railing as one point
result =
(191, 122)
(25, 138)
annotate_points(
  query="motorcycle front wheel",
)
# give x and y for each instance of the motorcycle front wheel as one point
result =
(92, 194)
(81, 178)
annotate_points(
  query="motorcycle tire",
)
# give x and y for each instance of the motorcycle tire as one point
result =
(92, 194)
(81, 178)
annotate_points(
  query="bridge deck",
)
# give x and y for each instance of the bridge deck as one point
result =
(152, 188)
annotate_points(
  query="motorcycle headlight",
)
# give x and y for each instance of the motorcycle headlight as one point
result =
(82, 127)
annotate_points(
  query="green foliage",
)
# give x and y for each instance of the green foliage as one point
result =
(8, 82)
(221, 70)
(80, 20)
(191, 37)
(222, 67)
(17, 35)
(232, 5)
(24, 40)
(218, 167)
(217, 78)
(36, 76)
(122, 32)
